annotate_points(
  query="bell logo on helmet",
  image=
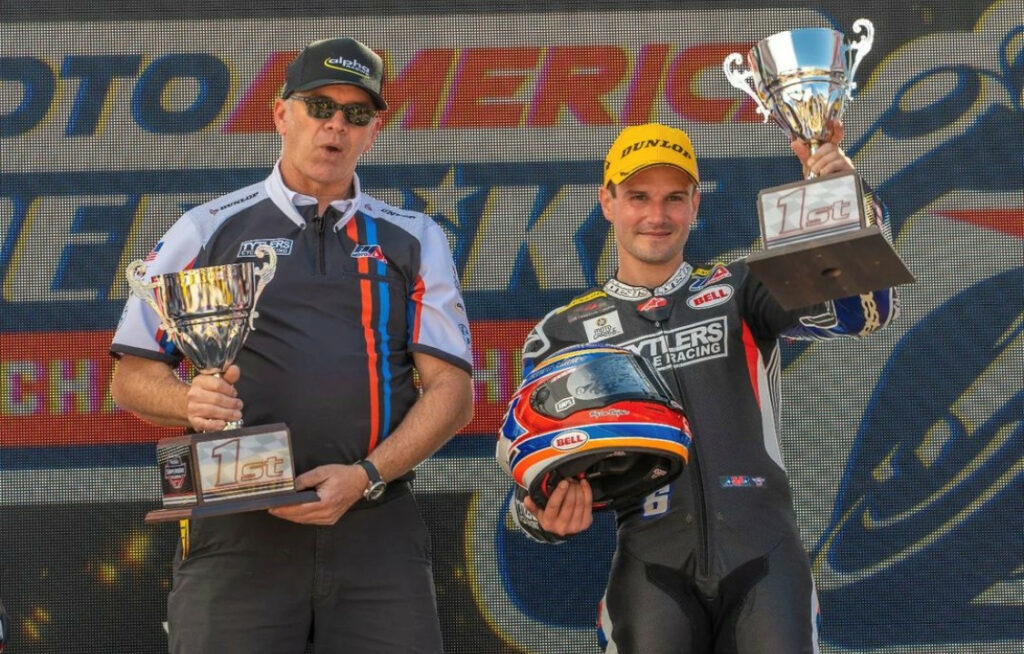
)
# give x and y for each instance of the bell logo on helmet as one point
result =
(569, 440)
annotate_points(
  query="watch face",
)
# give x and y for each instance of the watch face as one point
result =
(375, 490)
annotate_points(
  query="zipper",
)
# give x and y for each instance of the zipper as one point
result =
(321, 227)
(698, 480)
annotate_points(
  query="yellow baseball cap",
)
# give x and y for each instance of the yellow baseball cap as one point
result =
(641, 146)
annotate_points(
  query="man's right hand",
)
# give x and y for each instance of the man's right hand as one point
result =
(213, 400)
(570, 508)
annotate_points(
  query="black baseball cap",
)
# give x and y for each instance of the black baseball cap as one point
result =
(336, 61)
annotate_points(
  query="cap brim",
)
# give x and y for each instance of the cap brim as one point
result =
(626, 176)
(378, 99)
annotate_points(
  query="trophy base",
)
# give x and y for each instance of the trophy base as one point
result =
(830, 267)
(228, 471)
(232, 506)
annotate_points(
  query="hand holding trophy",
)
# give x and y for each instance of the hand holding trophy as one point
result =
(207, 312)
(821, 239)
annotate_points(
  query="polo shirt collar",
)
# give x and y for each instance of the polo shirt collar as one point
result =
(290, 199)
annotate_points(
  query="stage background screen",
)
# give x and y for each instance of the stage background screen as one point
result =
(905, 450)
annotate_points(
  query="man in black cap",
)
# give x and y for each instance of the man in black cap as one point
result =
(363, 293)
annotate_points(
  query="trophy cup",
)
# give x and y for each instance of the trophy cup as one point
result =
(207, 312)
(820, 238)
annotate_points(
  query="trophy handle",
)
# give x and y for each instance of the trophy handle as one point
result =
(265, 274)
(135, 273)
(858, 49)
(744, 81)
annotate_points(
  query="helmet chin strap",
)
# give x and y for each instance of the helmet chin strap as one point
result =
(615, 478)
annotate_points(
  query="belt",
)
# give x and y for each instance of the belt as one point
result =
(395, 489)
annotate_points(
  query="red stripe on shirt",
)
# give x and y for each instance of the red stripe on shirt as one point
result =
(753, 359)
(366, 319)
(417, 297)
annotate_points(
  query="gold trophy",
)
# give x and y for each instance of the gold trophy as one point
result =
(208, 312)
(821, 240)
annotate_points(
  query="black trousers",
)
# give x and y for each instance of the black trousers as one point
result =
(255, 583)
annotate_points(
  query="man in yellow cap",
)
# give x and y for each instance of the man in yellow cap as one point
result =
(713, 561)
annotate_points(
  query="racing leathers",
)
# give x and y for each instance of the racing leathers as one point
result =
(712, 562)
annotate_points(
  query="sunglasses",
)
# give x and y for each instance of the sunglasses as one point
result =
(359, 115)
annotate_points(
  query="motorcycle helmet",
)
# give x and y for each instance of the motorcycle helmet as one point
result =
(598, 412)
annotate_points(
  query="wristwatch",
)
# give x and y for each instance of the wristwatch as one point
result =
(376, 486)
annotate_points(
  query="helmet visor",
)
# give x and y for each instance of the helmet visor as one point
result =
(598, 383)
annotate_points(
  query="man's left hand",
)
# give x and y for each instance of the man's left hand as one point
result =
(339, 487)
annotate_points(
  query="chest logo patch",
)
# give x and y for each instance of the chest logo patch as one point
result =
(151, 257)
(706, 277)
(369, 251)
(282, 246)
(603, 327)
(710, 296)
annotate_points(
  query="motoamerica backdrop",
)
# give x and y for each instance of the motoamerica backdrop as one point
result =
(905, 450)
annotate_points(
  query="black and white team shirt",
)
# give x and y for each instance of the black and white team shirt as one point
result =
(355, 293)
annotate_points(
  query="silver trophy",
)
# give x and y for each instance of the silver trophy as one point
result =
(821, 239)
(208, 312)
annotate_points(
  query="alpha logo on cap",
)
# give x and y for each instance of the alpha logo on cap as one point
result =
(347, 65)
(336, 61)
